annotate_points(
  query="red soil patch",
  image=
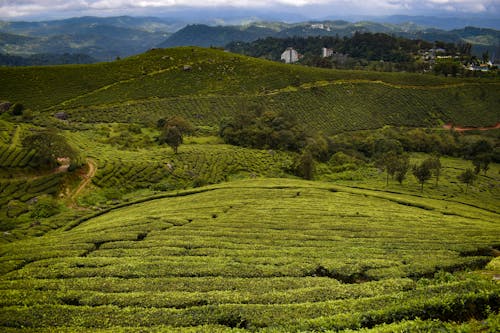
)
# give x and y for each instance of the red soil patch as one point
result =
(463, 129)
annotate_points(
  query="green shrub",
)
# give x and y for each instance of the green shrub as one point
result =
(46, 206)
(16, 109)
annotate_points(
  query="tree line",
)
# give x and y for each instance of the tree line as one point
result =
(386, 148)
(377, 51)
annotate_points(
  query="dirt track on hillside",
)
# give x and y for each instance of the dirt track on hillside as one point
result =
(87, 178)
(463, 129)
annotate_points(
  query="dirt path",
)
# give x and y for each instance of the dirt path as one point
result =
(86, 180)
(463, 129)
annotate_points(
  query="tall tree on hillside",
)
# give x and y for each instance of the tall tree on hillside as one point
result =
(423, 173)
(305, 165)
(467, 177)
(173, 130)
(172, 136)
(402, 168)
(395, 165)
(482, 162)
(389, 162)
(434, 164)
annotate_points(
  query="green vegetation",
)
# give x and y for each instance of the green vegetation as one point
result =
(249, 254)
(136, 236)
(145, 88)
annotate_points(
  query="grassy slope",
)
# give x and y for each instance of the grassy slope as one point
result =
(145, 87)
(261, 253)
(258, 253)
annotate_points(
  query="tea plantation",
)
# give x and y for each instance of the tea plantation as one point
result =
(206, 84)
(221, 238)
(271, 255)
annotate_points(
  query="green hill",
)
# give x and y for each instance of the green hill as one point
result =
(206, 84)
(271, 255)
(220, 238)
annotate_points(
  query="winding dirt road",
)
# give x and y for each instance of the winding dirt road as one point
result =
(92, 169)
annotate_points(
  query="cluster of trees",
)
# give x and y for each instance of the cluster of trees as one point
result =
(256, 128)
(386, 148)
(366, 144)
(253, 127)
(375, 51)
(49, 146)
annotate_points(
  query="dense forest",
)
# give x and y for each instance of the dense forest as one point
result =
(359, 51)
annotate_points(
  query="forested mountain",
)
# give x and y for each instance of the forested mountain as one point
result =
(79, 24)
(204, 35)
(100, 38)
(44, 59)
(482, 40)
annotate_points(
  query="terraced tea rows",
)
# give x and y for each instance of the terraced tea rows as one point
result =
(337, 107)
(205, 85)
(194, 165)
(26, 189)
(270, 255)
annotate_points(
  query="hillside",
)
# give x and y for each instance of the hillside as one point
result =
(105, 228)
(261, 255)
(206, 85)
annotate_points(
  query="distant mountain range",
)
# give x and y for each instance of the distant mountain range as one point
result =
(105, 39)
(100, 38)
(443, 23)
(45, 59)
(482, 39)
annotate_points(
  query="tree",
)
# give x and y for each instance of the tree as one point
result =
(402, 168)
(434, 164)
(467, 177)
(172, 136)
(423, 173)
(482, 162)
(182, 124)
(305, 165)
(173, 130)
(389, 162)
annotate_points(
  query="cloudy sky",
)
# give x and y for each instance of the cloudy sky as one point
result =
(23, 9)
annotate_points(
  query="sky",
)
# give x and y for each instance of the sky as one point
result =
(50, 9)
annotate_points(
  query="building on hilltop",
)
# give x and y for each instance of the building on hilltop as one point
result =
(290, 55)
(326, 52)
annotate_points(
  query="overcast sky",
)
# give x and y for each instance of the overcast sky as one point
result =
(25, 9)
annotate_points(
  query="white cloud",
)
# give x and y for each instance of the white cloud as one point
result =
(20, 8)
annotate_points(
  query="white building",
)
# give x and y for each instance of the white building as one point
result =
(325, 52)
(318, 26)
(290, 55)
